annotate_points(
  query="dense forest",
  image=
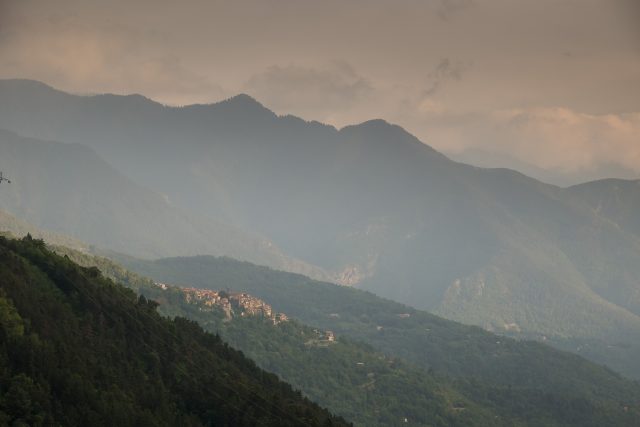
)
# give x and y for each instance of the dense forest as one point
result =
(76, 349)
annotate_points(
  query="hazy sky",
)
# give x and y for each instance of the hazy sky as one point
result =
(547, 84)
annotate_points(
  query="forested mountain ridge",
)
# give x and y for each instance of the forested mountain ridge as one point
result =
(376, 208)
(77, 349)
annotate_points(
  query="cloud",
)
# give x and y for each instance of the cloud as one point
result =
(310, 92)
(107, 57)
(448, 8)
(444, 72)
(569, 141)
(555, 144)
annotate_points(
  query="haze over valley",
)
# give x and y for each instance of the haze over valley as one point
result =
(463, 260)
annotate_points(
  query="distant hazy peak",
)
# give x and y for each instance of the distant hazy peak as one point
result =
(382, 133)
(382, 129)
(371, 125)
(241, 105)
(242, 99)
(26, 83)
(21, 87)
(28, 87)
(609, 182)
(245, 103)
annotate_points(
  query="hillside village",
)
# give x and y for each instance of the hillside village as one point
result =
(243, 304)
(232, 304)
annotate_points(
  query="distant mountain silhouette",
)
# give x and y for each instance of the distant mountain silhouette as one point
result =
(378, 209)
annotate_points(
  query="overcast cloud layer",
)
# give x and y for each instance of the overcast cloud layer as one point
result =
(551, 87)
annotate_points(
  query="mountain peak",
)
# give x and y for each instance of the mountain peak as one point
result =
(382, 133)
(372, 125)
(243, 101)
(24, 83)
(238, 105)
(28, 87)
(243, 98)
(382, 129)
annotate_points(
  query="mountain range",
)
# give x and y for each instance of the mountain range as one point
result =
(386, 362)
(367, 205)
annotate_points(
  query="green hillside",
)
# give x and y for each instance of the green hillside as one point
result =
(349, 378)
(78, 350)
(416, 336)
(338, 375)
(373, 388)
